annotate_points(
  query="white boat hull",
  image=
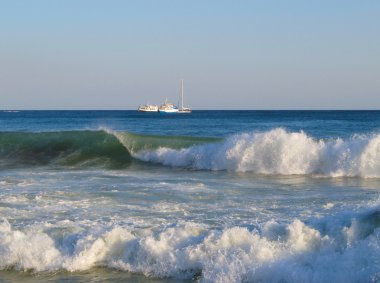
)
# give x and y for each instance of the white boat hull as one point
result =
(169, 111)
(140, 110)
(168, 108)
(182, 109)
(148, 108)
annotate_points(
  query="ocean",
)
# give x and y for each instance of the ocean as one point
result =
(212, 196)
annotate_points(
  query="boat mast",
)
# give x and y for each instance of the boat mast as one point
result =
(182, 94)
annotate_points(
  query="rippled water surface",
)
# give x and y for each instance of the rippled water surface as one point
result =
(214, 196)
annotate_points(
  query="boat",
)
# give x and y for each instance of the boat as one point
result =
(168, 107)
(182, 109)
(148, 108)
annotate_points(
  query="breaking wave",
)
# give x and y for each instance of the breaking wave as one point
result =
(82, 148)
(344, 248)
(273, 152)
(277, 152)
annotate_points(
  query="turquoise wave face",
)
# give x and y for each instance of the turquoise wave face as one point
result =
(82, 148)
(275, 152)
(71, 148)
(136, 143)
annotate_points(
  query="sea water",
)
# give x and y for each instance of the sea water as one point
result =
(212, 196)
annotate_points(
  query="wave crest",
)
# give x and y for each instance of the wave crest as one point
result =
(277, 152)
(274, 152)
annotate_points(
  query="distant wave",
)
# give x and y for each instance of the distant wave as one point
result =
(277, 152)
(273, 152)
(344, 248)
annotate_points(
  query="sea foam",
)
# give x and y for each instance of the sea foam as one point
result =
(343, 248)
(277, 152)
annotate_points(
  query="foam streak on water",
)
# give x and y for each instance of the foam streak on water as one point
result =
(190, 225)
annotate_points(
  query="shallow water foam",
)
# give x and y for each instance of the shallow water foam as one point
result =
(293, 252)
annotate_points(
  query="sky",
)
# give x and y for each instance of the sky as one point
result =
(110, 54)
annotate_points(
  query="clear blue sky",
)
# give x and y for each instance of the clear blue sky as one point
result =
(90, 54)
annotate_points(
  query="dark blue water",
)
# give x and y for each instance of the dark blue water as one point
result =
(320, 124)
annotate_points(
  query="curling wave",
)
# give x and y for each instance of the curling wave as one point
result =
(277, 152)
(82, 148)
(344, 248)
(68, 148)
(274, 152)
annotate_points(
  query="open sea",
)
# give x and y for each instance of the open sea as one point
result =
(212, 196)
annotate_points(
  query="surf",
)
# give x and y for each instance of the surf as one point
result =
(277, 152)
(274, 152)
(340, 248)
(88, 148)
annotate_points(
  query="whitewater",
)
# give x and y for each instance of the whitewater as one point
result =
(278, 152)
(273, 152)
(248, 196)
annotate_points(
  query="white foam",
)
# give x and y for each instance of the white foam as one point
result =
(328, 205)
(278, 152)
(27, 250)
(5, 183)
(344, 248)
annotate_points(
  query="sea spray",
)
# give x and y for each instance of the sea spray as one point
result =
(343, 248)
(278, 152)
(273, 152)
